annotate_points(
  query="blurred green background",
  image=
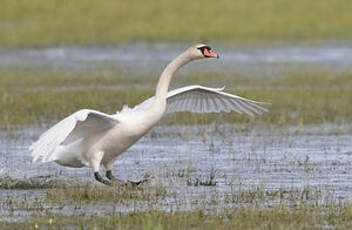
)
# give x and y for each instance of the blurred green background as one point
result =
(53, 22)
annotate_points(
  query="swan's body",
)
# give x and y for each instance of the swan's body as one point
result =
(91, 138)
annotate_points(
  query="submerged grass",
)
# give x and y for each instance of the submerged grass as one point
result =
(121, 193)
(43, 23)
(297, 209)
(8, 183)
(297, 96)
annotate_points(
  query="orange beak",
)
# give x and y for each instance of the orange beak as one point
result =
(208, 53)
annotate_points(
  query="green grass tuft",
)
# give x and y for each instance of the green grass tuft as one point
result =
(297, 95)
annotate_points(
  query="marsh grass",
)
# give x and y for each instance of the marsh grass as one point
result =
(49, 78)
(120, 193)
(292, 107)
(296, 95)
(208, 181)
(296, 210)
(44, 23)
(8, 183)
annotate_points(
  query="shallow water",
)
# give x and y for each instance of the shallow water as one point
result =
(241, 157)
(274, 158)
(155, 55)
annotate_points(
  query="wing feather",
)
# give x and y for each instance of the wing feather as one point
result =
(226, 104)
(212, 104)
(200, 99)
(207, 105)
(204, 105)
(217, 103)
(236, 107)
(251, 108)
(77, 125)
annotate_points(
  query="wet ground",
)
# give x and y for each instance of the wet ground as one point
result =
(198, 164)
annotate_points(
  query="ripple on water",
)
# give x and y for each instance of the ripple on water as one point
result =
(179, 156)
(156, 55)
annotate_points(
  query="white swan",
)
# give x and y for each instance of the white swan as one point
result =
(91, 138)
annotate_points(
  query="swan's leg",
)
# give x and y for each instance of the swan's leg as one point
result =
(108, 166)
(101, 179)
(95, 164)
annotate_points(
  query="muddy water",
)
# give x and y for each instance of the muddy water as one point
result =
(318, 157)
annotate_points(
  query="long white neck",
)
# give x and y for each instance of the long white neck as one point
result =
(164, 81)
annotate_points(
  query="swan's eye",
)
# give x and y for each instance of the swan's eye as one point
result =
(206, 51)
(203, 48)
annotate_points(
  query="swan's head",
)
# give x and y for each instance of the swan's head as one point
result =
(199, 51)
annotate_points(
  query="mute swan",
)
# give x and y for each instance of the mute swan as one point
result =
(92, 138)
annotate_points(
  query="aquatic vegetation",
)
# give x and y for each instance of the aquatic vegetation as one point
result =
(119, 193)
(208, 181)
(8, 183)
(294, 211)
(296, 95)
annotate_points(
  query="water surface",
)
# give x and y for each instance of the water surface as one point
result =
(295, 157)
(156, 55)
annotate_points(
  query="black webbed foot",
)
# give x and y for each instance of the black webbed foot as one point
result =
(116, 180)
(112, 178)
(101, 179)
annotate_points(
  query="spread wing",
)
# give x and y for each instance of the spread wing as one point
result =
(199, 99)
(80, 124)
